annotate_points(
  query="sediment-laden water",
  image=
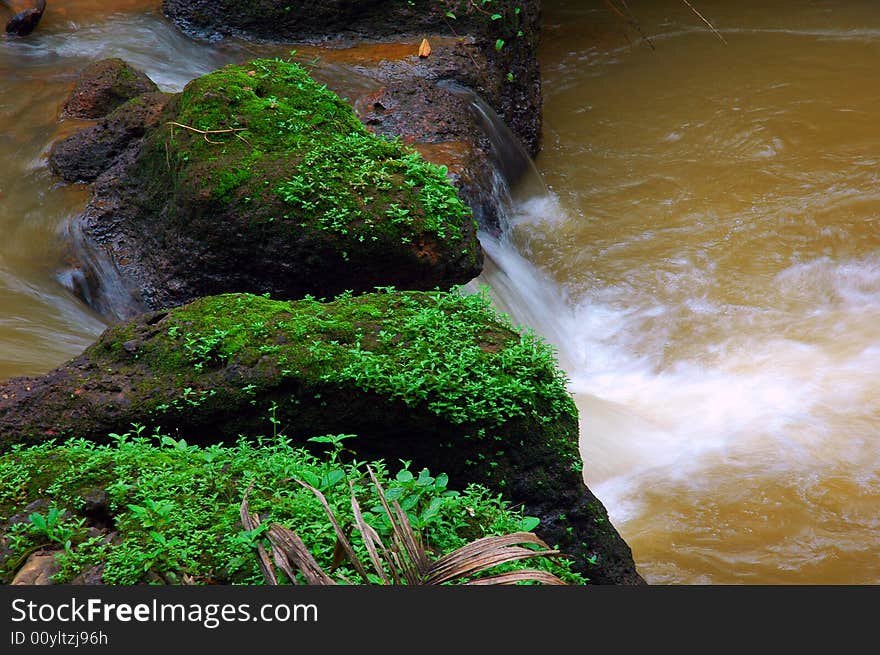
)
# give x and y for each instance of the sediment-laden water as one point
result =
(715, 247)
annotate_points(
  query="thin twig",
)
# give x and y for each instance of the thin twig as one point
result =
(627, 17)
(205, 133)
(251, 522)
(711, 26)
(482, 11)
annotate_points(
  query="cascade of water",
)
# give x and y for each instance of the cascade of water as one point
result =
(516, 286)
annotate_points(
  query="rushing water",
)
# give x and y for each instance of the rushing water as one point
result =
(707, 262)
(717, 248)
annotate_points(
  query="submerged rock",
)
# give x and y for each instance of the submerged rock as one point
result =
(436, 378)
(25, 22)
(256, 178)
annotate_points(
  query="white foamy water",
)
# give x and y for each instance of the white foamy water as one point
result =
(785, 392)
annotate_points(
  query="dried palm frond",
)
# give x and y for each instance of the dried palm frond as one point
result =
(405, 560)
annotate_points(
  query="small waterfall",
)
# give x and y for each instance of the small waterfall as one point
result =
(94, 278)
(533, 299)
(517, 287)
(516, 178)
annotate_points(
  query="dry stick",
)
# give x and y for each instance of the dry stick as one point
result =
(205, 133)
(625, 19)
(630, 19)
(711, 26)
(340, 534)
(250, 523)
(371, 540)
(482, 11)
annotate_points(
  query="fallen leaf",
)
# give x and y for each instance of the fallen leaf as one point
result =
(424, 48)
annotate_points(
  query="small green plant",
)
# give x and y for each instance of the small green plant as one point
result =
(153, 514)
(335, 441)
(163, 557)
(421, 497)
(55, 526)
(203, 349)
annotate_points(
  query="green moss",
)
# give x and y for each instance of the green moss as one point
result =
(228, 181)
(443, 351)
(266, 131)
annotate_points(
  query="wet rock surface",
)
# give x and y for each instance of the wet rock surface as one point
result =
(84, 155)
(103, 86)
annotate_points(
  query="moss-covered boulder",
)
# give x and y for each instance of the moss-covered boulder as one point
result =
(153, 509)
(436, 378)
(260, 180)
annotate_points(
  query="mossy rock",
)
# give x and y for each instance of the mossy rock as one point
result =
(154, 509)
(86, 154)
(506, 32)
(261, 180)
(436, 378)
(103, 86)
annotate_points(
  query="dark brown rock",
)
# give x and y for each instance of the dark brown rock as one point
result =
(39, 505)
(84, 155)
(91, 576)
(105, 85)
(96, 509)
(25, 22)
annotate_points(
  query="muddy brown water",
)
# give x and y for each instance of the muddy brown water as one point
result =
(707, 262)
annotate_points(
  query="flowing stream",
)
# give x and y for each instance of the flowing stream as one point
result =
(705, 256)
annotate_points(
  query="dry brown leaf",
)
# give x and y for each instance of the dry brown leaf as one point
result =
(371, 539)
(250, 523)
(523, 575)
(340, 533)
(415, 564)
(286, 545)
(406, 559)
(485, 553)
(424, 48)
